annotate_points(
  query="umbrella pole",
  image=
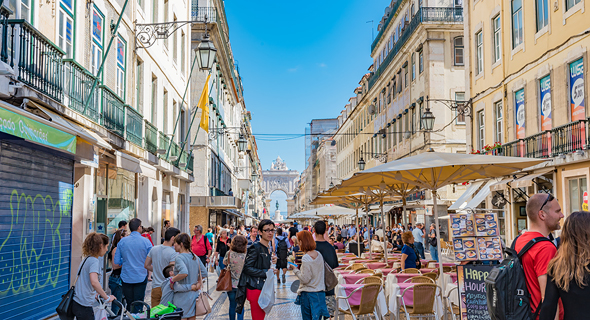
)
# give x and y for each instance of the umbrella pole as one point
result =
(368, 231)
(440, 265)
(404, 212)
(384, 233)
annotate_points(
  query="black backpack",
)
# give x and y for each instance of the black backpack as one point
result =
(507, 295)
(282, 250)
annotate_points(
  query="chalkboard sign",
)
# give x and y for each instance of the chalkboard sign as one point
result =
(472, 290)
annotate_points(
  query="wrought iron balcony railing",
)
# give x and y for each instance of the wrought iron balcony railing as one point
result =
(36, 60)
(538, 145)
(164, 142)
(113, 111)
(77, 84)
(569, 137)
(134, 126)
(151, 137)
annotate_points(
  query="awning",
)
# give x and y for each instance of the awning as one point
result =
(527, 180)
(481, 195)
(500, 185)
(233, 212)
(464, 198)
(127, 162)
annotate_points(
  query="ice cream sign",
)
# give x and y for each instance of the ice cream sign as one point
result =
(545, 85)
(577, 90)
(520, 115)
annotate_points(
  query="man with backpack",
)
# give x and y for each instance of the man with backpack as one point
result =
(532, 250)
(282, 246)
(329, 254)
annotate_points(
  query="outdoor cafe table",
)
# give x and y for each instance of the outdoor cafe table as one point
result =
(352, 278)
(343, 290)
(378, 265)
(398, 288)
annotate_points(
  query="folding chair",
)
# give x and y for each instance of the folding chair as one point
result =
(419, 279)
(424, 297)
(452, 308)
(411, 270)
(370, 280)
(365, 271)
(432, 275)
(368, 303)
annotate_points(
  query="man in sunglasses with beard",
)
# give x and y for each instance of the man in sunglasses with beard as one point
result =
(544, 215)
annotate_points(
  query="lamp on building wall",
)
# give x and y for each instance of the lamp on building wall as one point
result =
(206, 53)
(362, 164)
(427, 120)
(242, 144)
(254, 176)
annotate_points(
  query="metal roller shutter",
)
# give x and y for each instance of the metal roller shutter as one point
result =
(36, 195)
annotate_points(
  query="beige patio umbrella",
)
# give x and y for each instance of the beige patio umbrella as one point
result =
(434, 170)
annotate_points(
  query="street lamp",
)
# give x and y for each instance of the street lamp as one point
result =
(242, 144)
(254, 176)
(361, 164)
(206, 53)
(427, 120)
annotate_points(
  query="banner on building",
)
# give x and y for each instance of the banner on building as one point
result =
(578, 111)
(520, 115)
(545, 84)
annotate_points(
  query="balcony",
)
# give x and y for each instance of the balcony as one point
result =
(37, 62)
(218, 202)
(77, 84)
(190, 164)
(569, 137)
(424, 15)
(164, 143)
(113, 111)
(134, 126)
(151, 137)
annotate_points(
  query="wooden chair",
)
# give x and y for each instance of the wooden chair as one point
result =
(431, 275)
(411, 270)
(340, 250)
(355, 266)
(424, 296)
(453, 268)
(365, 271)
(431, 264)
(452, 308)
(370, 280)
(447, 269)
(368, 303)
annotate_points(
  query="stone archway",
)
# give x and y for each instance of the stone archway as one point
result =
(279, 177)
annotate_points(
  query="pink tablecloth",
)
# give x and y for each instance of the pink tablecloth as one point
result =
(402, 277)
(353, 278)
(453, 276)
(355, 299)
(386, 271)
(409, 296)
(376, 265)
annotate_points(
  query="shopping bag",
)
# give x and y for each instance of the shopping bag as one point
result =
(100, 313)
(267, 297)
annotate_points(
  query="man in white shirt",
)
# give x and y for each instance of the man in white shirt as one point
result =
(419, 239)
(157, 259)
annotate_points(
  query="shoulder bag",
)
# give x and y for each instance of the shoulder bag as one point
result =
(330, 278)
(64, 309)
(202, 303)
(224, 281)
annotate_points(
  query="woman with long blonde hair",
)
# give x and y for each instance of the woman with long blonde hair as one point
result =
(568, 272)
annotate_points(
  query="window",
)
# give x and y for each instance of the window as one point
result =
(497, 38)
(458, 44)
(406, 75)
(21, 9)
(420, 61)
(166, 19)
(542, 14)
(141, 4)
(154, 99)
(420, 115)
(517, 33)
(399, 130)
(65, 28)
(498, 114)
(182, 125)
(155, 11)
(413, 66)
(174, 45)
(460, 97)
(413, 122)
(97, 36)
(406, 123)
(121, 58)
(577, 187)
(174, 114)
(413, 10)
(182, 46)
(165, 112)
(139, 86)
(570, 3)
(479, 52)
(481, 130)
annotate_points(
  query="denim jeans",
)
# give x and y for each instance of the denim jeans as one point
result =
(420, 247)
(313, 305)
(231, 295)
(116, 287)
(134, 292)
(434, 253)
(220, 267)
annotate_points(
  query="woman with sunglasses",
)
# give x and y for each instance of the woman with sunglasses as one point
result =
(258, 261)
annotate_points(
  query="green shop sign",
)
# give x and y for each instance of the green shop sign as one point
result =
(29, 129)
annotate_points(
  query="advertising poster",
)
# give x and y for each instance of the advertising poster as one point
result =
(578, 111)
(520, 116)
(472, 291)
(545, 85)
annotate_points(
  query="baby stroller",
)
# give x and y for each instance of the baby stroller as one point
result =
(126, 315)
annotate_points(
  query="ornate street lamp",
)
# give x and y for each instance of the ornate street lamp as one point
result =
(206, 53)
(362, 164)
(242, 144)
(254, 175)
(427, 120)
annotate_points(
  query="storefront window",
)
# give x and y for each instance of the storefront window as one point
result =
(167, 209)
(577, 187)
(121, 197)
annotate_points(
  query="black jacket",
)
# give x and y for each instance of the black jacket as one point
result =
(256, 264)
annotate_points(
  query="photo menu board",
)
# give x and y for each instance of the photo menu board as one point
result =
(472, 291)
(475, 236)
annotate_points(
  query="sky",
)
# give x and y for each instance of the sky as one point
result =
(298, 61)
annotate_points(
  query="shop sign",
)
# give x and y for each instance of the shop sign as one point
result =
(29, 129)
(585, 203)
(545, 85)
(577, 90)
(520, 116)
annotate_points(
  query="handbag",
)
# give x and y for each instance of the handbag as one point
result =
(202, 304)
(330, 278)
(64, 309)
(224, 280)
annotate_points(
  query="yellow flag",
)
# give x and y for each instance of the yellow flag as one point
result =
(204, 105)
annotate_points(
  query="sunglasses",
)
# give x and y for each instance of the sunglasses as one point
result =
(549, 198)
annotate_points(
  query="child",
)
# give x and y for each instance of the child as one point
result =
(167, 292)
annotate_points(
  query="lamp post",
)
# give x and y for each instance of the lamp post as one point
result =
(362, 164)
(242, 144)
(206, 53)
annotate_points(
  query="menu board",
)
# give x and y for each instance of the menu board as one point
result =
(472, 291)
(475, 236)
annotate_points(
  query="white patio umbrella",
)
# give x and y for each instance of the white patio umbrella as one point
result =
(434, 170)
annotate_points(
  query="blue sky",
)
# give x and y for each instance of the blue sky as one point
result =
(299, 61)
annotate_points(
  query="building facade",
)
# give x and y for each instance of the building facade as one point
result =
(527, 66)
